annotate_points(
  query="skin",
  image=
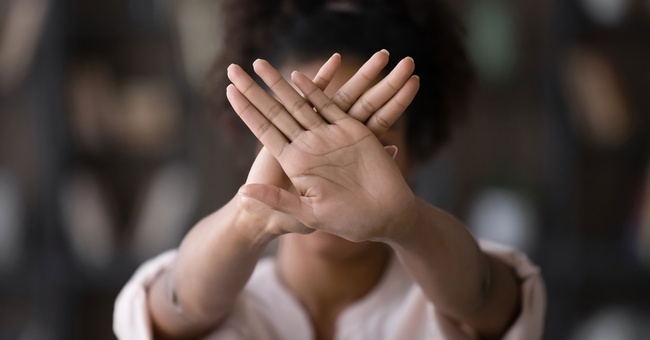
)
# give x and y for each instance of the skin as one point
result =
(325, 181)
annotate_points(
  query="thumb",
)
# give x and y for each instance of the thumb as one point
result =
(280, 200)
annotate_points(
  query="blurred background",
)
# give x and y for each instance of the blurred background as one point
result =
(108, 154)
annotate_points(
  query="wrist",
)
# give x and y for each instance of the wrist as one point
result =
(408, 227)
(227, 241)
(242, 228)
(252, 222)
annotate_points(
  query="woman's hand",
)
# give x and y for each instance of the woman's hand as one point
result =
(393, 94)
(346, 184)
(380, 106)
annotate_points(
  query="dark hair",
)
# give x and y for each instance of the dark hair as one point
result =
(295, 30)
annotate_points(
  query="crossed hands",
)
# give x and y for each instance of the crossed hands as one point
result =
(322, 166)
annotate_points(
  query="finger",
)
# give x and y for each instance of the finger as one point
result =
(280, 200)
(264, 103)
(388, 114)
(261, 127)
(297, 106)
(379, 94)
(323, 104)
(327, 72)
(348, 94)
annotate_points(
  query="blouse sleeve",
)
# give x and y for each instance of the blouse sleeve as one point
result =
(130, 316)
(530, 322)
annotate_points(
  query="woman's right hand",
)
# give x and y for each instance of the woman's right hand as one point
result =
(379, 107)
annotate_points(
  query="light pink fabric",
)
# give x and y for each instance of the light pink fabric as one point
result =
(395, 309)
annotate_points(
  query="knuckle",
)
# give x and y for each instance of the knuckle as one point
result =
(321, 82)
(367, 77)
(343, 97)
(274, 111)
(392, 86)
(325, 106)
(368, 106)
(249, 86)
(274, 82)
(299, 105)
(263, 128)
(382, 122)
(401, 103)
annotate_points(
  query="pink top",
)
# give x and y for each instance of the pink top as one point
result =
(395, 309)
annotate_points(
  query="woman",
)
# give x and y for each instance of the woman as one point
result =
(360, 256)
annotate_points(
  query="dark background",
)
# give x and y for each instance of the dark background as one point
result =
(108, 154)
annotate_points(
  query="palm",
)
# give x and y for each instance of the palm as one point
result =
(338, 177)
(348, 185)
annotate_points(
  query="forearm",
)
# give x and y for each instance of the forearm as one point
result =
(462, 281)
(214, 262)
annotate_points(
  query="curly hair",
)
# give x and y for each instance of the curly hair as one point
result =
(302, 30)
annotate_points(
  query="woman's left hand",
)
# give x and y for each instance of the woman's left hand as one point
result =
(347, 184)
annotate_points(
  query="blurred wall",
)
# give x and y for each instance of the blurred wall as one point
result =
(108, 154)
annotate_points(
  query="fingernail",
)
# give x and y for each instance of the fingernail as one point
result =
(385, 51)
(296, 74)
(392, 150)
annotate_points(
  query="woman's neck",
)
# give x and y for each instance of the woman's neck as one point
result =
(327, 273)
